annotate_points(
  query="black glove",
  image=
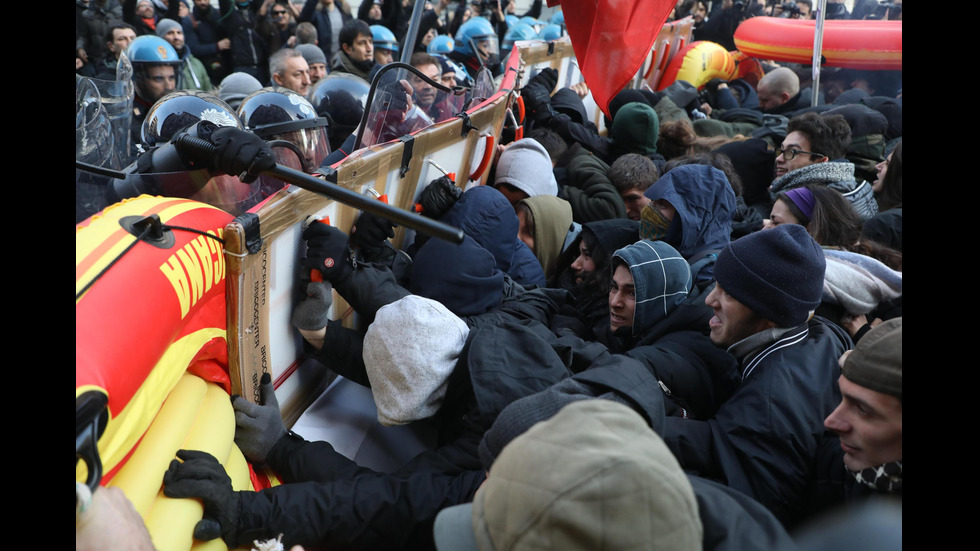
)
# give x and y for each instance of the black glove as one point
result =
(328, 252)
(537, 95)
(438, 197)
(201, 476)
(547, 78)
(398, 99)
(241, 153)
(314, 312)
(370, 232)
(258, 427)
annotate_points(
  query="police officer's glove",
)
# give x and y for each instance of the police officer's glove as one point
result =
(328, 252)
(201, 476)
(314, 312)
(258, 427)
(241, 153)
(438, 197)
(398, 100)
(370, 231)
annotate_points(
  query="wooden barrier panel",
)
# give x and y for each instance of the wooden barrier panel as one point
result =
(262, 282)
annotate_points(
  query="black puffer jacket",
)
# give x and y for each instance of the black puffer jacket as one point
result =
(329, 501)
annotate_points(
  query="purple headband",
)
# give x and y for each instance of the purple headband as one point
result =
(803, 199)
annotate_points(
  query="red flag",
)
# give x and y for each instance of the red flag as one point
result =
(611, 38)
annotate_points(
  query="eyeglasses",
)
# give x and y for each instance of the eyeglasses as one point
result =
(790, 154)
(279, 13)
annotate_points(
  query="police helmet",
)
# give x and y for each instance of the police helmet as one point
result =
(277, 113)
(558, 18)
(476, 30)
(180, 109)
(442, 44)
(519, 31)
(340, 98)
(384, 38)
(550, 32)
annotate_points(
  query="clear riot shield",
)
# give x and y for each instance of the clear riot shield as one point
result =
(392, 110)
(94, 145)
(117, 100)
(483, 87)
(93, 132)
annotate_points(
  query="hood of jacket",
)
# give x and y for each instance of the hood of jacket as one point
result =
(552, 220)
(484, 214)
(615, 233)
(661, 281)
(462, 277)
(705, 203)
(635, 129)
(567, 101)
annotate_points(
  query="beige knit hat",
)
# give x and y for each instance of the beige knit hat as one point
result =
(876, 362)
(594, 476)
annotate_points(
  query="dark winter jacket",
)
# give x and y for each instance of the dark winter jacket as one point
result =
(590, 192)
(249, 51)
(763, 440)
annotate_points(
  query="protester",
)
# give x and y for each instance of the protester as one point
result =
(763, 440)
(691, 207)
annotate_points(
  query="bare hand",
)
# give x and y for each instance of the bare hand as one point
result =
(224, 44)
(110, 519)
(582, 89)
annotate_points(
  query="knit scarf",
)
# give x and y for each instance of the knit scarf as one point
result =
(819, 173)
(883, 478)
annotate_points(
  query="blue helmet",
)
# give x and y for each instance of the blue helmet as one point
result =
(384, 38)
(476, 30)
(534, 23)
(149, 48)
(558, 18)
(442, 44)
(550, 32)
(511, 20)
(520, 31)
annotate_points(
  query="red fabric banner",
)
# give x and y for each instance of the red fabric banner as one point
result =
(611, 38)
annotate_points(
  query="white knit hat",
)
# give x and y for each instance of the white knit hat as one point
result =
(526, 165)
(410, 350)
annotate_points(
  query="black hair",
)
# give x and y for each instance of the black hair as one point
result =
(829, 135)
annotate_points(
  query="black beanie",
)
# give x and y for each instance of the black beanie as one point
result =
(777, 273)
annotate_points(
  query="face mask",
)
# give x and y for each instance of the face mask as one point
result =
(653, 225)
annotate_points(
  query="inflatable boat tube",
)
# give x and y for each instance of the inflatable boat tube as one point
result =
(147, 312)
(854, 44)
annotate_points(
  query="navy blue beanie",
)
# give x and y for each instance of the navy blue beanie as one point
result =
(777, 273)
